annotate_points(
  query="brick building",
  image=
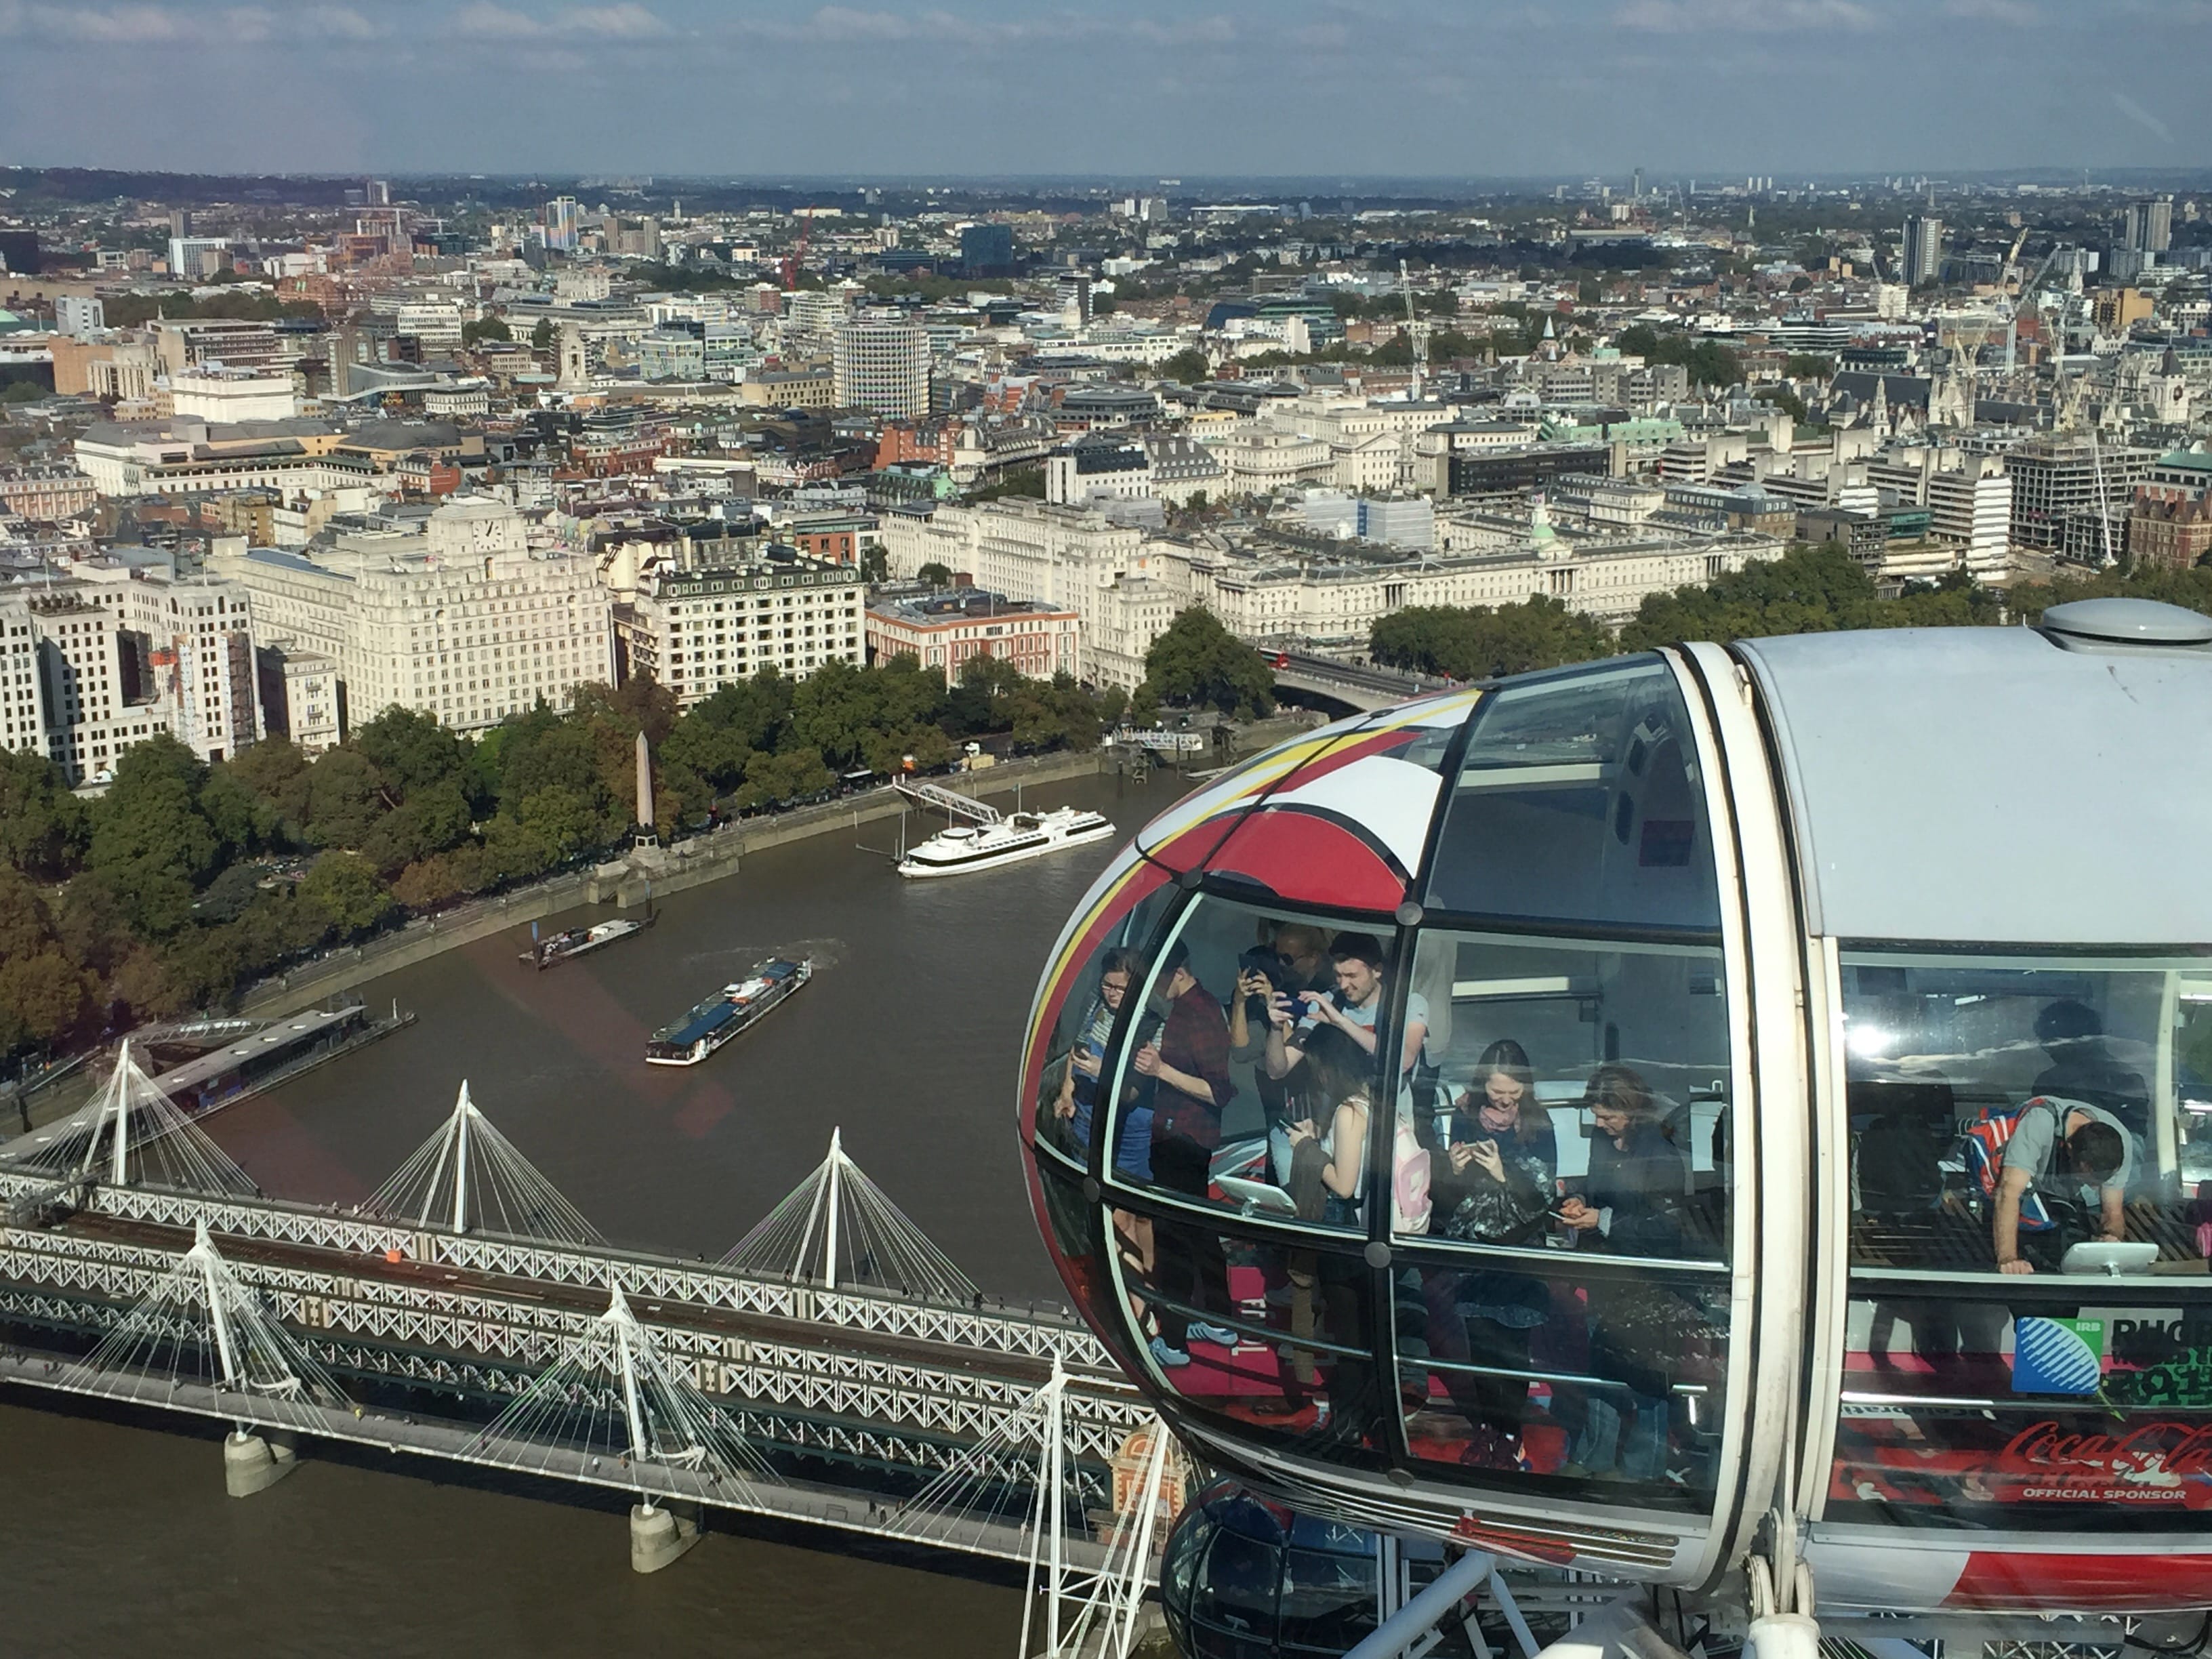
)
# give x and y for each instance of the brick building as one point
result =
(943, 631)
(2172, 528)
(46, 493)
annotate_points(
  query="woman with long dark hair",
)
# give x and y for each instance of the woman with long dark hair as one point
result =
(1492, 1184)
(1630, 1205)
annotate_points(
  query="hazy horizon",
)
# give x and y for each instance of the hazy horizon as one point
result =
(1309, 90)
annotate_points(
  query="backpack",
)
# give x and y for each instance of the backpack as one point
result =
(1900, 1165)
(1409, 1180)
(1986, 1139)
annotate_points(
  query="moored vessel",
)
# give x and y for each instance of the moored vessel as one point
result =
(964, 847)
(580, 941)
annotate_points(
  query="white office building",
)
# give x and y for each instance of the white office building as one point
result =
(80, 316)
(1969, 498)
(187, 646)
(198, 256)
(695, 631)
(22, 687)
(467, 621)
(1122, 590)
(76, 693)
(231, 395)
(883, 368)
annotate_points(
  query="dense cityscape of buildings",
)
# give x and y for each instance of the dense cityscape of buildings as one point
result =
(269, 468)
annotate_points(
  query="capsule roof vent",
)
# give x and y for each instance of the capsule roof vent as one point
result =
(2124, 624)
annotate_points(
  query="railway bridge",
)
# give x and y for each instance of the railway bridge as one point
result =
(834, 1369)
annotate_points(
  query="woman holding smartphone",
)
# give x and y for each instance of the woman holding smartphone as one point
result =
(1333, 1087)
(1492, 1185)
(1336, 1086)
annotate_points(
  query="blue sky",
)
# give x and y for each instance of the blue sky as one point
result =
(1405, 87)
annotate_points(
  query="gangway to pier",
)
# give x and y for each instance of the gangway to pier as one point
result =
(946, 800)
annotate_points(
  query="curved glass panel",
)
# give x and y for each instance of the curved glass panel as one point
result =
(1584, 1378)
(1268, 1340)
(2030, 1332)
(1236, 1587)
(1533, 1039)
(1101, 979)
(1255, 1060)
(1072, 1232)
(1219, 1598)
(1580, 1116)
(1328, 1595)
(2007, 1111)
(1579, 800)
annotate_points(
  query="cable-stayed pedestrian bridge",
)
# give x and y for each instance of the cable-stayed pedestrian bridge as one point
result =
(834, 1368)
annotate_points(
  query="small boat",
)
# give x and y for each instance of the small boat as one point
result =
(582, 941)
(963, 847)
(729, 1012)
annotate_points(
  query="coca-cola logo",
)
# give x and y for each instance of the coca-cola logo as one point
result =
(2162, 1448)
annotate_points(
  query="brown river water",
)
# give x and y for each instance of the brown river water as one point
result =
(116, 1536)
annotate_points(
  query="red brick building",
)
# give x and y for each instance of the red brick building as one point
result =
(835, 537)
(905, 443)
(945, 631)
(2169, 527)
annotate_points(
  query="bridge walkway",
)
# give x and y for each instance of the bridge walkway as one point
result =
(840, 1509)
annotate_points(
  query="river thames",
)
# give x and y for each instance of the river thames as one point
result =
(119, 1538)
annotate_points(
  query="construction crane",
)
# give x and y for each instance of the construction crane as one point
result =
(1417, 332)
(1967, 335)
(2069, 405)
(793, 259)
(2020, 303)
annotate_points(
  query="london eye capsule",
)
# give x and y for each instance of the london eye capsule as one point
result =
(1588, 1115)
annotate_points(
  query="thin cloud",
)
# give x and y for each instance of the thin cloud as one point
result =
(1214, 31)
(339, 23)
(161, 25)
(1753, 17)
(486, 20)
(2013, 14)
(117, 25)
(834, 25)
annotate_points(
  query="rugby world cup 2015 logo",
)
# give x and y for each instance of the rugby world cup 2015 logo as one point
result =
(2057, 1356)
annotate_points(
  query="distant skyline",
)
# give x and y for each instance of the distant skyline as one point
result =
(1317, 88)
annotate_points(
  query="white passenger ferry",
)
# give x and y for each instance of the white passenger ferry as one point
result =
(964, 847)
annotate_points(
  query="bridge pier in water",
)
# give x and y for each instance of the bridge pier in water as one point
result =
(254, 1462)
(657, 1537)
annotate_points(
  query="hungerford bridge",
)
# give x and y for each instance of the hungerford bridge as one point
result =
(834, 1369)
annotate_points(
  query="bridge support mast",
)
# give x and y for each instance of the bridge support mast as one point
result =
(657, 1536)
(251, 1463)
(119, 1166)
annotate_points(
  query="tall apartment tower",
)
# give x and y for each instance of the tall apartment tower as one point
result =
(883, 368)
(2150, 226)
(563, 220)
(1923, 249)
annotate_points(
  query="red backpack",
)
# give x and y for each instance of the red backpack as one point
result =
(1986, 1138)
